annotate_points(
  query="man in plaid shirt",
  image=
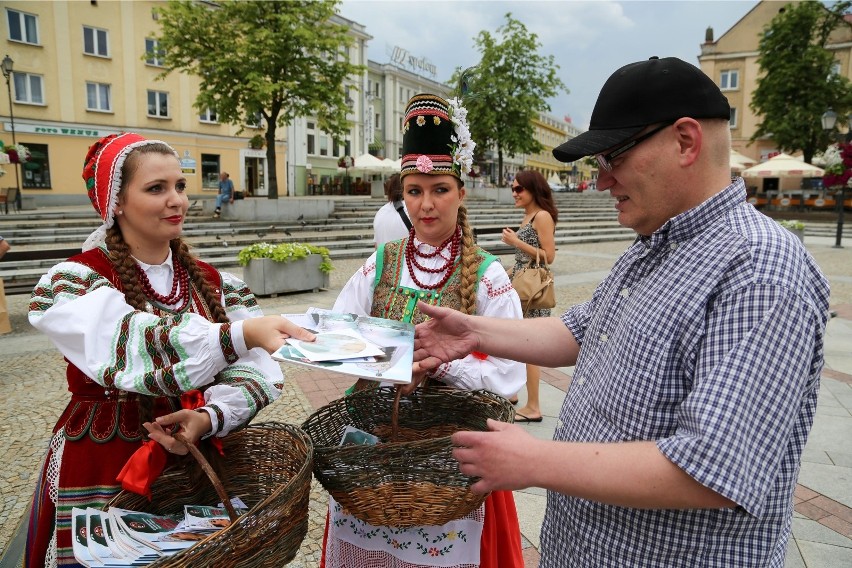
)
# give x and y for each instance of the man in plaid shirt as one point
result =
(697, 358)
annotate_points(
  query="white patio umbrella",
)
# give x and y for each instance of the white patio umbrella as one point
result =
(392, 166)
(554, 180)
(739, 162)
(783, 165)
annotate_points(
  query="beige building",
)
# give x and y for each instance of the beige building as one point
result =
(86, 69)
(731, 61)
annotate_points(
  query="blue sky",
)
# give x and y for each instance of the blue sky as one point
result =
(588, 39)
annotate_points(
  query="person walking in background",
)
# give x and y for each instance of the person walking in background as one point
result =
(4, 247)
(391, 222)
(698, 357)
(150, 340)
(440, 263)
(226, 193)
(534, 237)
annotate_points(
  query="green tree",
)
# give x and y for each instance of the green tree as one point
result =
(278, 59)
(797, 83)
(508, 90)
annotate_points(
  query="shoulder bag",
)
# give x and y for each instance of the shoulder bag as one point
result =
(534, 285)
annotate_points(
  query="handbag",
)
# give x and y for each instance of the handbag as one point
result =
(534, 285)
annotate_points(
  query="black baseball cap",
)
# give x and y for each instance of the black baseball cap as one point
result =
(641, 94)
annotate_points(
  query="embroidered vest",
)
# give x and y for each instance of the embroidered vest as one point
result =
(392, 301)
(105, 412)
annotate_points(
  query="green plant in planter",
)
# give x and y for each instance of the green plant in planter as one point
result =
(256, 142)
(285, 252)
(792, 224)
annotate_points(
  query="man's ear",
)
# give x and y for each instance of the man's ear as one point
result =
(690, 138)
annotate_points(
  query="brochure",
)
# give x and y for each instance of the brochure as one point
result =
(353, 436)
(80, 540)
(336, 345)
(156, 531)
(207, 519)
(394, 338)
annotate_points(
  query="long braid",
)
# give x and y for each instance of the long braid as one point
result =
(180, 253)
(125, 266)
(470, 264)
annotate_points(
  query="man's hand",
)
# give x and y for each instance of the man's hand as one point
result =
(193, 425)
(269, 332)
(503, 457)
(445, 337)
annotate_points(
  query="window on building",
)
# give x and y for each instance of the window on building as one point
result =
(347, 148)
(312, 149)
(835, 68)
(254, 120)
(36, 171)
(402, 100)
(377, 89)
(209, 115)
(95, 42)
(323, 145)
(29, 88)
(158, 104)
(98, 97)
(335, 147)
(733, 120)
(730, 80)
(210, 171)
(154, 53)
(378, 122)
(22, 26)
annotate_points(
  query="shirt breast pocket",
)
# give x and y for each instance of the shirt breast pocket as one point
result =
(636, 386)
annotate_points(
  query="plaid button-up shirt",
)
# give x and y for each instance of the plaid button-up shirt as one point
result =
(706, 337)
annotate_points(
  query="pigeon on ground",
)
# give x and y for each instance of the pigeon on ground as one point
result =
(300, 217)
(288, 233)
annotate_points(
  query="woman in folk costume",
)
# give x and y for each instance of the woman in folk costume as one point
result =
(153, 337)
(438, 263)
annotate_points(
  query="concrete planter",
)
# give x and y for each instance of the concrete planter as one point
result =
(799, 233)
(266, 277)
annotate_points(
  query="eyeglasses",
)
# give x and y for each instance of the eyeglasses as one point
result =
(517, 189)
(605, 160)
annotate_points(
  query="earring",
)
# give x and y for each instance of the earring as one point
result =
(120, 212)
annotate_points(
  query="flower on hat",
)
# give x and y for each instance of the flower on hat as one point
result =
(462, 149)
(421, 120)
(424, 164)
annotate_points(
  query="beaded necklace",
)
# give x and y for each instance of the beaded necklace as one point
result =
(180, 287)
(411, 254)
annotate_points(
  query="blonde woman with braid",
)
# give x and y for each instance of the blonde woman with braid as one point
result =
(438, 263)
(156, 341)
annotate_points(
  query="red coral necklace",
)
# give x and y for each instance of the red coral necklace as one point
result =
(412, 254)
(180, 286)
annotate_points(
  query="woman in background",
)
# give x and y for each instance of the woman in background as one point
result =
(535, 236)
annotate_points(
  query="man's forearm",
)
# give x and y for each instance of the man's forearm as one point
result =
(538, 341)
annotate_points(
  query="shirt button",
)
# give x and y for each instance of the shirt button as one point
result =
(673, 246)
(603, 337)
(625, 292)
(580, 381)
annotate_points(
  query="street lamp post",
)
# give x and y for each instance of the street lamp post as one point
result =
(7, 66)
(829, 121)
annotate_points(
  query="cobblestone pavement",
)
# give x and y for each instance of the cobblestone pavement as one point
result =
(33, 387)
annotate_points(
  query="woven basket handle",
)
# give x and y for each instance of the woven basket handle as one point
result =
(205, 465)
(395, 416)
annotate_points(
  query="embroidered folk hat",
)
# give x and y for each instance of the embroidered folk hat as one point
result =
(435, 137)
(641, 94)
(102, 174)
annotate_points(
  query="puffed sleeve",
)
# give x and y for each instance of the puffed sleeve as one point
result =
(92, 325)
(495, 297)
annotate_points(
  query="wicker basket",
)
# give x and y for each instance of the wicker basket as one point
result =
(412, 480)
(267, 465)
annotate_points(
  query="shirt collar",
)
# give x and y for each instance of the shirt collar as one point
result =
(692, 222)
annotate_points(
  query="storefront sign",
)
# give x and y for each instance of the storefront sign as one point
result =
(188, 164)
(401, 57)
(57, 130)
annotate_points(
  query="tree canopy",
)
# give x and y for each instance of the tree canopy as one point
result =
(275, 59)
(798, 83)
(508, 90)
